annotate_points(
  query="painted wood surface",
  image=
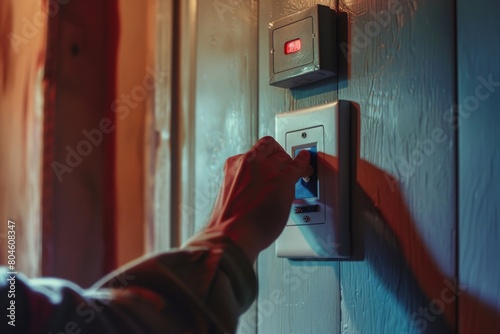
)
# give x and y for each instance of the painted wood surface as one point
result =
(294, 297)
(158, 136)
(404, 213)
(402, 76)
(479, 165)
(22, 57)
(226, 94)
(137, 78)
(83, 197)
(209, 117)
(226, 104)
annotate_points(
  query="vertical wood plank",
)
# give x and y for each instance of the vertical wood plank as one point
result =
(294, 297)
(83, 184)
(401, 73)
(22, 57)
(226, 103)
(184, 47)
(479, 165)
(158, 136)
(137, 78)
(226, 95)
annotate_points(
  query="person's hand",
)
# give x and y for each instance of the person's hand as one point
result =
(256, 195)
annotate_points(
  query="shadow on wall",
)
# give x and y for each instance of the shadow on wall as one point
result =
(387, 238)
(343, 70)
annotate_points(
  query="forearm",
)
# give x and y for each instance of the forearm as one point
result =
(202, 288)
(210, 278)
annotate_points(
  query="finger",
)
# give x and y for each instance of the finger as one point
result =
(310, 170)
(300, 166)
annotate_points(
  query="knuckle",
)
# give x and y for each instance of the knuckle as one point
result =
(261, 147)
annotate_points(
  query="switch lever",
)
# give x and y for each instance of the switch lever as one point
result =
(307, 187)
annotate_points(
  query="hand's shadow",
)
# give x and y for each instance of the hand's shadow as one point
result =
(384, 234)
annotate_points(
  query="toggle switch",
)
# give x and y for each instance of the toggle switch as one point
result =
(318, 224)
(308, 187)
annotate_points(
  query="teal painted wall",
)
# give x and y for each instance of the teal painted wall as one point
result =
(425, 219)
(478, 81)
(425, 224)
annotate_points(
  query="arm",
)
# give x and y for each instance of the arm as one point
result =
(202, 287)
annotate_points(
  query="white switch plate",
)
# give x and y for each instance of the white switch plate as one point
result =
(319, 222)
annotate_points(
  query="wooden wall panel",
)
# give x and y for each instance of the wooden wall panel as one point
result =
(402, 76)
(158, 136)
(206, 111)
(226, 103)
(226, 94)
(404, 201)
(137, 78)
(79, 239)
(294, 297)
(479, 165)
(22, 57)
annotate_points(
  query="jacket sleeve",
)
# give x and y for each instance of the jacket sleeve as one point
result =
(201, 288)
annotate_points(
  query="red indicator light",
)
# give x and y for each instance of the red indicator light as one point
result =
(293, 46)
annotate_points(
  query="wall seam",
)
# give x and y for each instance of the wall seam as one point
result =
(457, 164)
(256, 134)
(175, 186)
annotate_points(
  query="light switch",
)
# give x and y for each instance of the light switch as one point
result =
(319, 220)
(303, 47)
(308, 187)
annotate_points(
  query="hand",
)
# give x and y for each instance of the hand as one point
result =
(256, 195)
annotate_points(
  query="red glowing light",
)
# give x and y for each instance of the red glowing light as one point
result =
(293, 46)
